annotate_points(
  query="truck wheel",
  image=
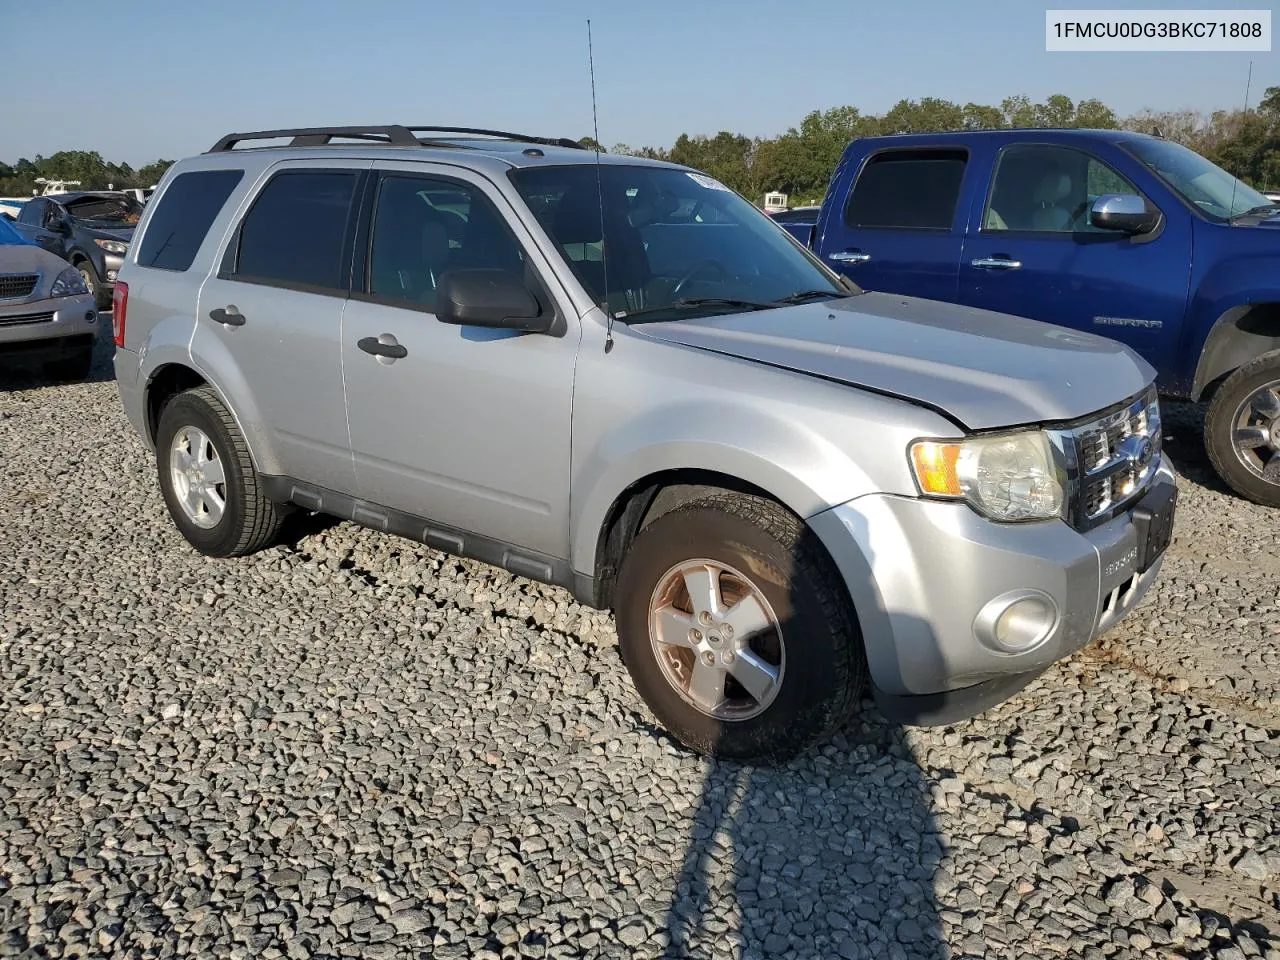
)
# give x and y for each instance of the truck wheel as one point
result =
(90, 276)
(737, 629)
(208, 480)
(73, 366)
(1242, 430)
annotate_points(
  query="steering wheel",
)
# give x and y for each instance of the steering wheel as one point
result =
(695, 270)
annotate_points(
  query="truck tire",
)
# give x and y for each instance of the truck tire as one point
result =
(208, 480)
(1242, 430)
(737, 629)
(73, 366)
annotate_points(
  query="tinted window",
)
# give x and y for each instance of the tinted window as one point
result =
(32, 211)
(1048, 189)
(178, 226)
(423, 228)
(296, 230)
(916, 189)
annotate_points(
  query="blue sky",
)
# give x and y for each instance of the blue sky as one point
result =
(141, 79)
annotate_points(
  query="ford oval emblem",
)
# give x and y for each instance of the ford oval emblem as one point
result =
(1138, 450)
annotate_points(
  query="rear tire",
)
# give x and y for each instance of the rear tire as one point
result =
(74, 366)
(1242, 430)
(208, 480)
(766, 561)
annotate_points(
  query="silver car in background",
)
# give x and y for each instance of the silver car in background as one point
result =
(48, 316)
(619, 376)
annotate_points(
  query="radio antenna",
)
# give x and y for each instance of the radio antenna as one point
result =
(595, 134)
(1236, 180)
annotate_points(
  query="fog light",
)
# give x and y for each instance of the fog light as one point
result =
(111, 274)
(1017, 622)
(90, 316)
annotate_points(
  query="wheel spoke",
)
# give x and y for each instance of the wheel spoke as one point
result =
(213, 503)
(213, 472)
(755, 675)
(1248, 438)
(1271, 472)
(194, 502)
(703, 584)
(747, 617)
(181, 458)
(706, 686)
(1266, 402)
(673, 627)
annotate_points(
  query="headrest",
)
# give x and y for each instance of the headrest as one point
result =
(1053, 188)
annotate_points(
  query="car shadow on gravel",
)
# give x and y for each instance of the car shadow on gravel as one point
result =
(1183, 430)
(834, 854)
(17, 375)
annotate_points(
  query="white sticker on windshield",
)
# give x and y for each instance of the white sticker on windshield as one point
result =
(709, 182)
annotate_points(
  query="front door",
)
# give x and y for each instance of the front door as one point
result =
(467, 427)
(1035, 253)
(273, 314)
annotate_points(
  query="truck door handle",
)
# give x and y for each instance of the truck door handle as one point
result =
(383, 346)
(849, 256)
(996, 263)
(228, 316)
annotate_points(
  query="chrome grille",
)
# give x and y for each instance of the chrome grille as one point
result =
(1116, 455)
(15, 286)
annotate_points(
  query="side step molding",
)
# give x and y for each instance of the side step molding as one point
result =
(460, 543)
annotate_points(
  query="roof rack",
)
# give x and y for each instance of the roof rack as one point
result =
(391, 134)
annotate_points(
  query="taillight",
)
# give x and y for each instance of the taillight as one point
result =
(119, 304)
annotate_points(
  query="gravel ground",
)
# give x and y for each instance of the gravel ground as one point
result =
(353, 746)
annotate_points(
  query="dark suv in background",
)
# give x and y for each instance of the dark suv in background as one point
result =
(90, 230)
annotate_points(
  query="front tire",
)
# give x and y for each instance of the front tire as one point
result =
(208, 480)
(1242, 430)
(91, 280)
(737, 630)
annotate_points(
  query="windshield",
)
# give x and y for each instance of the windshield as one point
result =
(1206, 185)
(675, 240)
(105, 211)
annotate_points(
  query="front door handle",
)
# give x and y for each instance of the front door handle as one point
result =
(996, 263)
(228, 316)
(849, 256)
(382, 346)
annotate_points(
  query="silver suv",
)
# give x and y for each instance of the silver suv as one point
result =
(619, 376)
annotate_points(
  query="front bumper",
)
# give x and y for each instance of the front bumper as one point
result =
(920, 572)
(31, 324)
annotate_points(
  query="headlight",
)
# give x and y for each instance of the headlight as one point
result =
(111, 246)
(69, 283)
(1006, 477)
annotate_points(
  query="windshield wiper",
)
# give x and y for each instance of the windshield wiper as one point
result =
(1257, 211)
(687, 304)
(801, 296)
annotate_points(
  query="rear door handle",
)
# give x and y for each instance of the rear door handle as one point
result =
(996, 263)
(382, 346)
(849, 256)
(228, 316)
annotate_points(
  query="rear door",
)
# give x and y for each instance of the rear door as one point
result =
(275, 307)
(1033, 251)
(900, 228)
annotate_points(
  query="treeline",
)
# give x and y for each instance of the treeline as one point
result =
(94, 173)
(800, 162)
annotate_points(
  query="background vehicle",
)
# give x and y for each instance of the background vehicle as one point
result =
(92, 230)
(47, 314)
(1119, 233)
(798, 221)
(778, 483)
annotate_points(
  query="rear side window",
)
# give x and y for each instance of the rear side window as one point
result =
(295, 234)
(186, 211)
(911, 189)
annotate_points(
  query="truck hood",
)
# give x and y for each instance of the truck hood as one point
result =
(983, 369)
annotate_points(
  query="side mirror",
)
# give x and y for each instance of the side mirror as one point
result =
(489, 298)
(1123, 212)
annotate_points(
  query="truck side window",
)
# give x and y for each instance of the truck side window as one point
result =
(1048, 189)
(911, 189)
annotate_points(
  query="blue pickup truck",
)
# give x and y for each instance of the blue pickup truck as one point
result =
(1118, 233)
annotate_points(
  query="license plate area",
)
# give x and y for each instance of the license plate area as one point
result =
(1153, 523)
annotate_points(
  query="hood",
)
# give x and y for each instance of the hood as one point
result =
(982, 369)
(28, 258)
(124, 234)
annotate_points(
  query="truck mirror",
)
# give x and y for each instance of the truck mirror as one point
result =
(1124, 212)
